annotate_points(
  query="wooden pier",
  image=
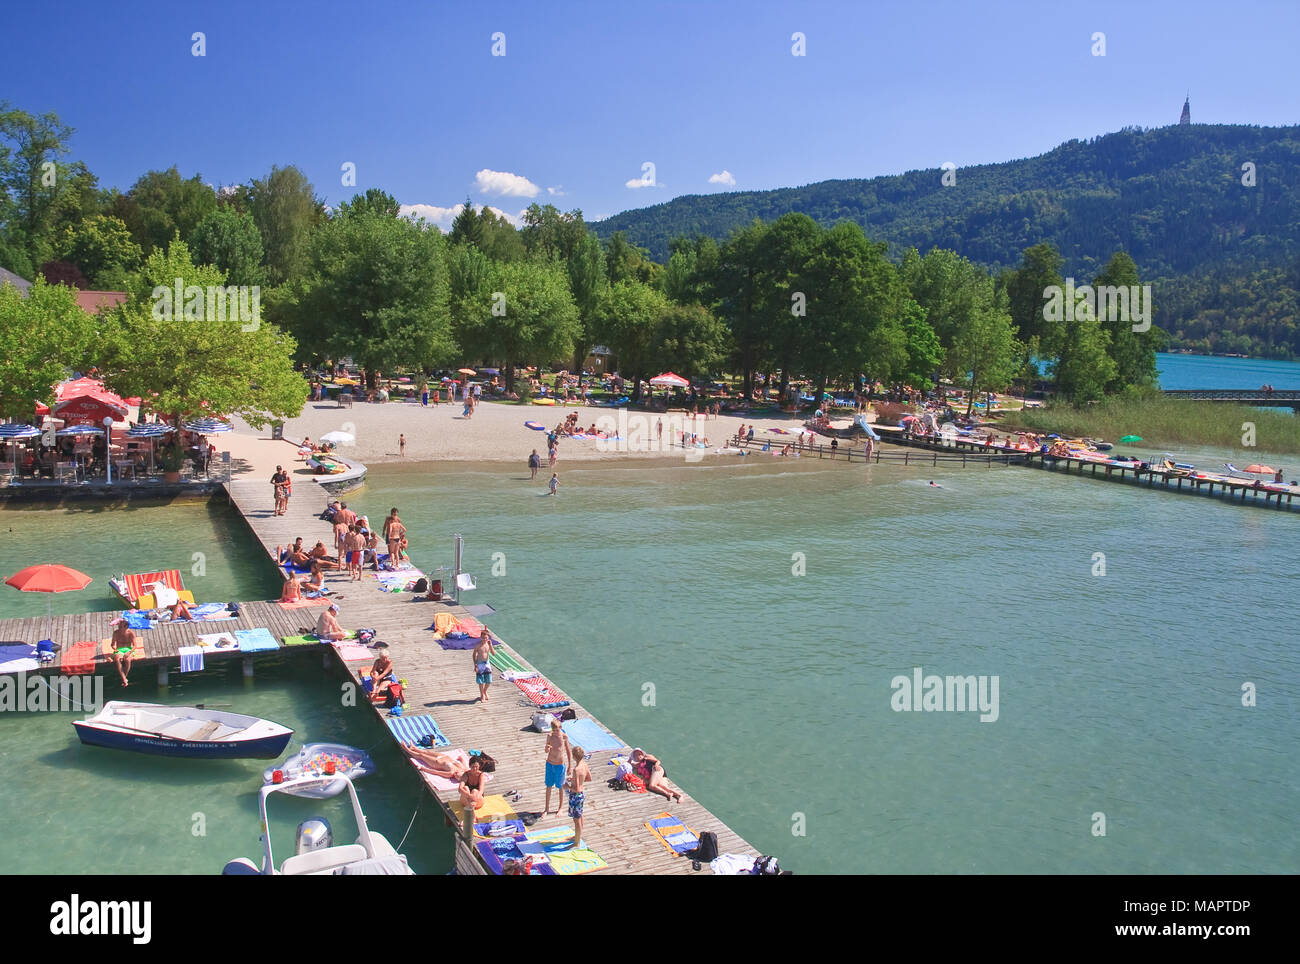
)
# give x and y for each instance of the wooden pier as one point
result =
(439, 683)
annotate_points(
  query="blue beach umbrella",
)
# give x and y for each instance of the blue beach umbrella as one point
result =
(16, 431)
(151, 431)
(208, 426)
(73, 430)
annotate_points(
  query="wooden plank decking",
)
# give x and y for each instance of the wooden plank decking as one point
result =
(441, 683)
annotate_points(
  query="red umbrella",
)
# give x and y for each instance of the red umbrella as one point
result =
(49, 577)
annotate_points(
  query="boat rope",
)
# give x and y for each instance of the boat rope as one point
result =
(64, 696)
(410, 825)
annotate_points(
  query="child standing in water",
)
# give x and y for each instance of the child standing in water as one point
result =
(554, 484)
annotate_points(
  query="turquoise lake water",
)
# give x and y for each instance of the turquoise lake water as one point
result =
(662, 596)
(1207, 371)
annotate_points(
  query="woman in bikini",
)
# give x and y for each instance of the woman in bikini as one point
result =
(471, 785)
(439, 764)
(291, 592)
(651, 771)
(316, 581)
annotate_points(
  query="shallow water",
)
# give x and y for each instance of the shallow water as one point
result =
(665, 598)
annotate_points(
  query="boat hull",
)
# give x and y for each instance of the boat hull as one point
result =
(260, 748)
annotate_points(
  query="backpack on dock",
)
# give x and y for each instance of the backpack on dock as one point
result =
(708, 849)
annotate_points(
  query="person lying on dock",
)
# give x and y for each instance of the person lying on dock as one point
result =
(180, 611)
(327, 626)
(651, 771)
(439, 764)
(322, 556)
(124, 642)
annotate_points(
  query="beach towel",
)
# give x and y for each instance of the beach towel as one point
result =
(18, 657)
(562, 854)
(191, 658)
(409, 729)
(495, 807)
(469, 626)
(443, 623)
(457, 642)
(541, 693)
(352, 651)
(303, 603)
(216, 641)
(311, 639)
(496, 851)
(79, 658)
(137, 619)
(672, 833)
(589, 735)
(504, 662)
(255, 640)
(106, 648)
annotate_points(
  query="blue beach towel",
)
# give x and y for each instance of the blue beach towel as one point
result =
(137, 619)
(255, 640)
(207, 609)
(589, 735)
(409, 729)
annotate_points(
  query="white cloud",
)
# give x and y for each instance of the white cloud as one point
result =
(443, 217)
(725, 177)
(431, 213)
(502, 183)
(638, 182)
(557, 191)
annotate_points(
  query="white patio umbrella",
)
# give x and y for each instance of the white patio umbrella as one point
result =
(14, 432)
(338, 438)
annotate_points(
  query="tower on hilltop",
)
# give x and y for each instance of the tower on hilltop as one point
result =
(1186, 117)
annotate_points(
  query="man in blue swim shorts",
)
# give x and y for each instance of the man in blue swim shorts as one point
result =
(557, 756)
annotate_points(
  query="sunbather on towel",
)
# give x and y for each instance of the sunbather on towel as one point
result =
(316, 581)
(651, 771)
(471, 785)
(292, 591)
(439, 764)
(327, 626)
(181, 611)
(124, 641)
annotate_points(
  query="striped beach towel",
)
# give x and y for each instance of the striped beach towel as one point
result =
(672, 833)
(409, 729)
(566, 857)
(504, 662)
(541, 693)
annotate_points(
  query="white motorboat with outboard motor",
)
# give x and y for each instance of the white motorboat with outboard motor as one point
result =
(314, 849)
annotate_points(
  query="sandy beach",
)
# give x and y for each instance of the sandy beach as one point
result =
(495, 433)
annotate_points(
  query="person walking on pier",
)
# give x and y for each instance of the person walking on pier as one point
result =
(482, 665)
(280, 482)
(558, 755)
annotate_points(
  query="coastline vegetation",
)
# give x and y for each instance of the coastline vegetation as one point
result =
(1166, 423)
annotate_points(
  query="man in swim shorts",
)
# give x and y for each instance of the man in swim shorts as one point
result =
(577, 797)
(558, 754)
(124, 641)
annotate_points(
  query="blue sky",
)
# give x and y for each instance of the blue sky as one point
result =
(588, 92)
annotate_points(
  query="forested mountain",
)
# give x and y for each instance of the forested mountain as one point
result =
(1219, 242)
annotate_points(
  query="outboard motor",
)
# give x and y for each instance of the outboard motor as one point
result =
(313, 834)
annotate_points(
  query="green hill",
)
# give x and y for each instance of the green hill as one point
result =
(1224, 257)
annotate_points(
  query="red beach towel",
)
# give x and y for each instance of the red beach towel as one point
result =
(541, 693)
(80, 658)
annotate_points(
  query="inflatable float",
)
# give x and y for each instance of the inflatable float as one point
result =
(333, 764)
(543, 401)
(535, 426)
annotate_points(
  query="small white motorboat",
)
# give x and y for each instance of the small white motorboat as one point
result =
(188, 731)
(314, 849)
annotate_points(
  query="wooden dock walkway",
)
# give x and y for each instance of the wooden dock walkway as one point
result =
(441, 683)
